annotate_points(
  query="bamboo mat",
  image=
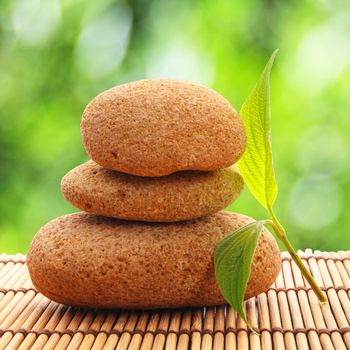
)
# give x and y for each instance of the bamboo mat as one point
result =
(287, 316)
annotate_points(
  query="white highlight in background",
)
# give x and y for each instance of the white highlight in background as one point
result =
(103, 42)
(34, 21)
(323, 55)
(322, 149)
(315, 202)
(180, 60)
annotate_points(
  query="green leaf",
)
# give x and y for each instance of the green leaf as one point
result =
(256, 165)
(233, 260)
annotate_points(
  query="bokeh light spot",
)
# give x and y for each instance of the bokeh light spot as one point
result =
(103, 42)
(34, 21)
(315, 201)
(323, 55)
(180, 61)
(322, 150)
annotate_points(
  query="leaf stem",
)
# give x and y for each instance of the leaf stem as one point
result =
(281, 234)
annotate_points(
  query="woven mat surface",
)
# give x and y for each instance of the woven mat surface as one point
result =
(288, 316)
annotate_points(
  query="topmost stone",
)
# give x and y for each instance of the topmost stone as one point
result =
(157, 127)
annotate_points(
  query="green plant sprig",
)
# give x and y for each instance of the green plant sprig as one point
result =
(234, 254)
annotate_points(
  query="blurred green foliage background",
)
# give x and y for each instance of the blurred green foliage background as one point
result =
(56, 55)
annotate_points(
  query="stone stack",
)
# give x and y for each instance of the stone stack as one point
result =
(161, 171)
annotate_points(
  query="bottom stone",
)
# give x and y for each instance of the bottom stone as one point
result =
(86, 260)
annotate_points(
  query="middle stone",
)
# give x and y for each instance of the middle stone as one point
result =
(180, 196)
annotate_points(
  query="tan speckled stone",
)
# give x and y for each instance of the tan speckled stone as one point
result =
(157, 127)
(180, 196)
(86, 260)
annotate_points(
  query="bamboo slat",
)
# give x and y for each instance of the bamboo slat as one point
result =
(287, 317)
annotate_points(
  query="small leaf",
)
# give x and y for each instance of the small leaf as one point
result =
(233, 260)
(256, 165)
